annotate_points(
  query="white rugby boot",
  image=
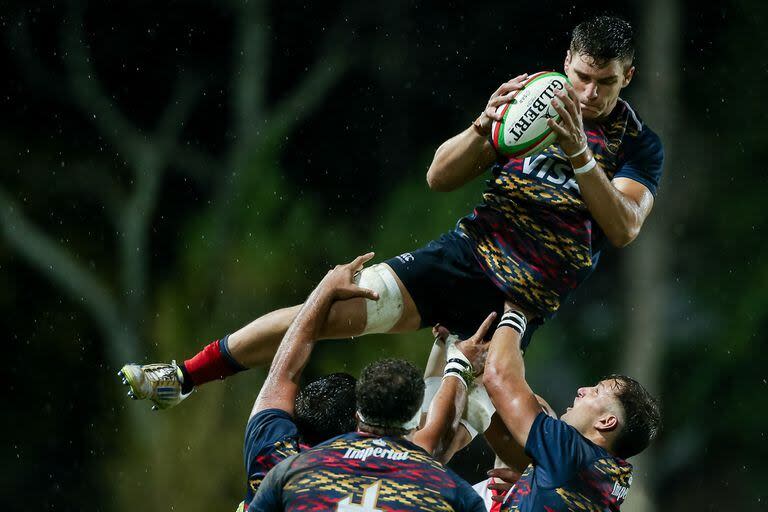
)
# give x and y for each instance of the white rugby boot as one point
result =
(158, 382)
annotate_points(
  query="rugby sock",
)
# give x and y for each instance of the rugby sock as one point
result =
(213, 362)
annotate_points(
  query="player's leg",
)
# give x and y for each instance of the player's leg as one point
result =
(256, 343)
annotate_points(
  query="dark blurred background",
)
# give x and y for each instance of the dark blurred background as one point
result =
(171, 170)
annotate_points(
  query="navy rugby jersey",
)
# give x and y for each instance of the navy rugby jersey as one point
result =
(533, 234)
(568, 473)
(358, 471)
(270, 437)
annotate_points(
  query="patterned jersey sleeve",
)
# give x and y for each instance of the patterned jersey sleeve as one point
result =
(269, 497)
(264, 431)
(557, 450)
(643, 160)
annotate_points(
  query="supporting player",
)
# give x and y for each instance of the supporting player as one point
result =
(284, 419)
(375, 468)
(579, 461)
(537, 235)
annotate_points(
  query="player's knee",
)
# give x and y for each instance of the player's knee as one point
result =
(383, 314)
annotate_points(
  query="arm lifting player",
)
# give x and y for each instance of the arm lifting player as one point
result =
(579, 460)
(286, 419)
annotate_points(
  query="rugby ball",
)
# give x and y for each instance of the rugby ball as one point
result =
(523, 129)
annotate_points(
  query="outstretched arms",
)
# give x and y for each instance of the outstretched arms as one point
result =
(439, 434)
(282, 383)
(504, 380)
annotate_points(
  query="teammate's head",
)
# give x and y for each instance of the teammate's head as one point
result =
(619, 411)
(599, 63)
(325, 408)
(389, 394)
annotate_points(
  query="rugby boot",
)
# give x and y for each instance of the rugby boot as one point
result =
(158, 382)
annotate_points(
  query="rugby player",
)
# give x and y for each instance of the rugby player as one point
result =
(578, 461)
(537, 235)
(285, 419)
(377, 467)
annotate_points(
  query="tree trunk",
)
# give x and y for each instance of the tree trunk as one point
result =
(647, 262)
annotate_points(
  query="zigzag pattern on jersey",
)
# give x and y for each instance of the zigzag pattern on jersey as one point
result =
(617, 472)
(521, 489)
(534, 237)
(263, 463)
(419, 467)
(322, 489)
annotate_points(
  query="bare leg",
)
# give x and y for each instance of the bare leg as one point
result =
(256, 343)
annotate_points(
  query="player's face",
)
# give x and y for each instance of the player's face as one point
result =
(592, 404)
(598, 88)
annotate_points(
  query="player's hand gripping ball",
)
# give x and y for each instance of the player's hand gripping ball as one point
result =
(523, 128)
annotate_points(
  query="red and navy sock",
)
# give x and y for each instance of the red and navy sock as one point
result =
(212, 363)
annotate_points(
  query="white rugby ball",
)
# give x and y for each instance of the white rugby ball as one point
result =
(523, 129)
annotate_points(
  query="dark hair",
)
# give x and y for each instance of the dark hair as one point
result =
(642, 417)
(325, 408)
(389, 393)
(604, 38)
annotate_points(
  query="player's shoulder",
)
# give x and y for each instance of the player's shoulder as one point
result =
(637, 130)
(272, 421)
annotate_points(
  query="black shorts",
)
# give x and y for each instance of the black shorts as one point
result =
(449, 287)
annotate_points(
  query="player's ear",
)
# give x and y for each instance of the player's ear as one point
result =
(567, 63)
(628, 74)
(607, 423)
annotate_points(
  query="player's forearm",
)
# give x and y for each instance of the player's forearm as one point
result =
(294, 351)
(443, 419)
(619, 217)
(504, 380)
(459, 160)
(504, 367)
(293, 354)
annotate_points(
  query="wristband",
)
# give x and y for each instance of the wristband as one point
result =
(578, 152)
(591, 164)
(514, 320)
(457, 365)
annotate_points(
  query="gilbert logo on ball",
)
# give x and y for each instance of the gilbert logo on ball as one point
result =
(523, 129)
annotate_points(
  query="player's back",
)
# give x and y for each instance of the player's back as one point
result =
(362, 472)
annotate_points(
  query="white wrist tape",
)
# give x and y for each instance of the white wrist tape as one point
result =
(591, 164)
(468, 426)
(431, 385)
(515, 320)
(457, 364)
(480, 409)
(578, 152)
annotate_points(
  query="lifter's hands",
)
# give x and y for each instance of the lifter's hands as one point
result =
(570, 128)
(501, 96)
(339, 284)
(504, 479)
(475, 348)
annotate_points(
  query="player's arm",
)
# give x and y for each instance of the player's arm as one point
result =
(467, 155)
(620, 206)
(509, 452)
(442, 424)
(269, 496)
(504, 376)
(282, 383)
